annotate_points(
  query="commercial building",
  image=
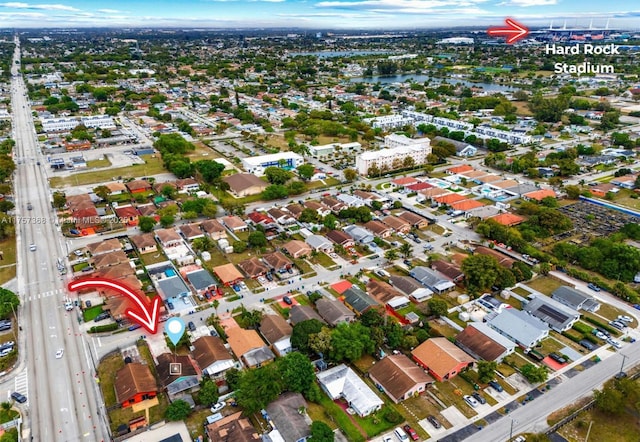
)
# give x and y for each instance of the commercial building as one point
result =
(65, 124)
(327, 150)
(284, 160)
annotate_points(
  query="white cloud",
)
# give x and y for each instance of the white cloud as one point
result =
(528, 3)
(52, 7)
(109, 11)
(414, 5)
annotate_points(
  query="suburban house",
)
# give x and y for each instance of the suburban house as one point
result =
(319, 243)
(397, 224)
(191, 231)
(411, 287)
(399, 377)
(441, 358)
(340, 238)
(245, 184)
(134, 383)
(378, 229)
(432, 279)
(277, 332)
(334, 312)
(214, 229)
(109, 259)
(290, 425)
(333, 203)
(144, 243)
(350, 200)
(482, 342)
(168, 238)
(212, 356)
(249, 347)
(360, 235)
(299, 313)
(341, 382)
(233, 428)
(159, 187)
(386, 294)
(276, 261)
(449, 270)
(260, 218)
(575, 299)
(201, 280)
(503, 260)
(297, 249)
(234, 223)
(108, 246)
(525, 330)
(186, 185)
(417, 221)
(116, 188)
(317, 207)
(281, 217)
(555, 314)
(138, 186)
(462, 149)
(253, 267)
(127, 215)
(176, 378)
(228, 274)
(358, 300)
(295, 209)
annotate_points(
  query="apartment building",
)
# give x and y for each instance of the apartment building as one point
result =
(397, 148)
(284, 160)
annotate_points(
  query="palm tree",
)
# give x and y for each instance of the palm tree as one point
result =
(390, 255)
(215, 303)
(406, 250)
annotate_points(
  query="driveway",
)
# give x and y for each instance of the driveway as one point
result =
(455, 416)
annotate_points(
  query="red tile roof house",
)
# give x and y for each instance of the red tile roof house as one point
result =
(417, 221)
(297, 249)
(397, 224)
(191, 231)
(214, 229)
(169, 237)
(134, 383)
(253, 267)
(234, 223)
(379, 229)
(277, 261)
(145, 243)
(400, 377)
(138, 186)
(341, 238)
(127, 215)
(261, 218)
(441, 358)
(187, 185)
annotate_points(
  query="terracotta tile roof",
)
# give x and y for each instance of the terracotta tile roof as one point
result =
(295, 246)
(480, 344)
(396, 223)
(253, 267)
(168, 235)
(233, 428)
(126, 212)
(276, 260)
(434, 191)
(377, 227)
(163, 368)
(341, 286)
(466, 205)
(209, 349)
(398, 375)
(404, 181)
(241, 341)
(450, 198)
(143, 240)
(508, 219)
(274, 328)
(132, 379)
(109, 259)
(108, 245)
(137, 185)
(191, 230)
(503, 260)
(228, 273)
(412, 218)
(539, 195)
(440, 355)
(212, 226)
(381, 291)
(459, 169)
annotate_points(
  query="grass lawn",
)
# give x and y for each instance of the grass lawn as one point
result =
(505, 369)
(605, 428)
(338, 415)
(303, 266)
(451, 392)
(195, 421)
(317, 413)
(521, 291)
(152, 257)
(8, 415)
(80, 266)
(549, 345)
(107, 373)
(90, 313)
(322, 259)
(545, 285)
(8, 263)
(152, 166)
(104, 162)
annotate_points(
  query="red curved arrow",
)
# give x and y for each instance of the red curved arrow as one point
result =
(146, 315)
(514, 31)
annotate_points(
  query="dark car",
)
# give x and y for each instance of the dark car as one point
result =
(102, 316)
(411, 432)
(287, 300)
(134, 327)
(556, 357)
(594, 287)
(587, 344)
(191, 326)
(20, 398)
(497, 387)
(29, 206)
(479, 397)
(170, 305)
(269, 276)
(434, 422)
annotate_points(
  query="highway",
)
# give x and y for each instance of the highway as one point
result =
(62, 393)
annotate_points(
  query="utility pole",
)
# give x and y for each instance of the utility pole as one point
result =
(588, 431)
(511, 430)
(624, 358)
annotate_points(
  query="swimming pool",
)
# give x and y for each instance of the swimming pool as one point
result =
(170, 273)
(440, 183)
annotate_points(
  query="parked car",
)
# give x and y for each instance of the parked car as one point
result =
(191, 326)
(598, 334)
(400, 434)
(101, 316)
(29, 206)
(59, 353)
(134, 327)
(470, 400)
(170, 305)
(477, 396)
(411, 432)
(32, 247)
(218, 406)
(614, 343)
(559, 359)
(287, 300)
(624, 318)
(432, 419)
(20, 398)
(593, 287)
(617, 324)
(587, 344)
(497, 387)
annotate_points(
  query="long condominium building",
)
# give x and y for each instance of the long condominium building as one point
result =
(397, 148)
(65, 124)
(284, 160)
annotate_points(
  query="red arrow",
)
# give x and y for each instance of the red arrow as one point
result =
(514, 31)
(146, 315)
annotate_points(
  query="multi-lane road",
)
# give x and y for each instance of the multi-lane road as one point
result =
(62, 393)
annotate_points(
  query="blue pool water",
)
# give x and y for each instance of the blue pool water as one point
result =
(170, 272)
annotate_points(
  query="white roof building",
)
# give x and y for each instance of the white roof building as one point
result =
(393, 158)
(284, 160)
(342, 382)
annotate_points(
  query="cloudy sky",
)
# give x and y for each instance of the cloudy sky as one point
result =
(354, 14)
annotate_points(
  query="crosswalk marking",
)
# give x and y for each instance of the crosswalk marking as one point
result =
(47, 294)
(22, 384)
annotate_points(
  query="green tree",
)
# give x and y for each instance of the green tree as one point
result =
(306, 171)
(406, 250)
(330, 221)
(297, 372)
(146, 223)
(169, 192)
(480, 271)
(102, 191)
(203, 244)
(609, 400)
(232, 378)
(239, 246)
(275, 192)
(276, 175)
(486, 370)
(258, 387)
(350, 341)
(437, 307)
(301, 333)
(8, 302)
(390, 255)
(321, 432)
(534, 374)
(208, 393)
(257, 239)
(178, 410)
(350, 174)
(167, 220)
(59, 200)
(251, 318)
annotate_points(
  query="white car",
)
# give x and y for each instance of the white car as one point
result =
(32, 247)
(470, 400)
(59, 353)
(217, 407)
(614, 343)
(625, 318)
